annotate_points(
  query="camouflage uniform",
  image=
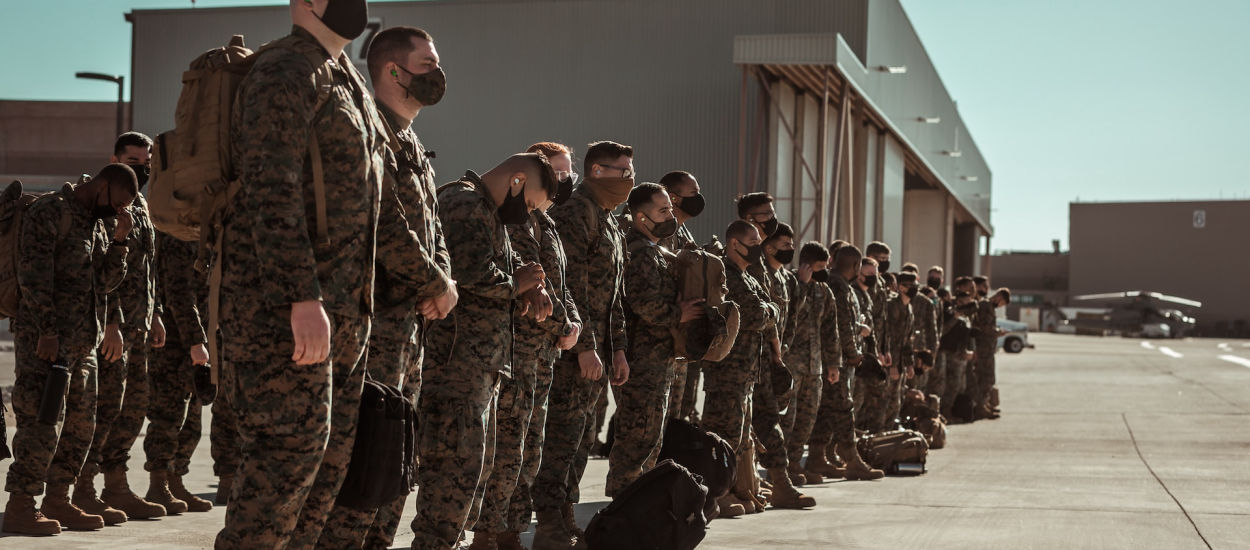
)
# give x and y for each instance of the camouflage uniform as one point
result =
(63, 280)
(925, 323)
(683, 393)
(412, 265)
(835, 418)
(297, 423)
(728, 386)
(223, 430)
(885, 404)
(595, 278)
(766, 405)
(985, 331)
(174, 415)
(955, 345)
(876, 344)
(814, 325)
(468, 352)
(124, 390)
(642, 404)
(522, 395)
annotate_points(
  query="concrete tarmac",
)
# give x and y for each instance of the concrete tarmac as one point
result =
(1103, 443)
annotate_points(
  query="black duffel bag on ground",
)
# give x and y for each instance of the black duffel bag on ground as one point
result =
(704, 453)
(383, 465)
(662, 510)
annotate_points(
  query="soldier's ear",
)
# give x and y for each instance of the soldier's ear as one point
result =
(518, 180)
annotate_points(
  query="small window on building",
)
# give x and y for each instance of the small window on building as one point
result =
(1200, 219)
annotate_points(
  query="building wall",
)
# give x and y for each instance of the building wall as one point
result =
(46, 143)
(925, 217)
(1194, 250)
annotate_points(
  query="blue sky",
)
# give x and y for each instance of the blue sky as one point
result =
(1098, 100)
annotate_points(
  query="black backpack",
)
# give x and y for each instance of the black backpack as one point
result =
(962, 408)
(383, 465)
(662, 510)
(704, 453)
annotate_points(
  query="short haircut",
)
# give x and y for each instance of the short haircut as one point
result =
(813, 252)
(392, 46)
(130, 139)
(889, 278)
(938, 269)
(868, 261)
(550, 149)
(961, 281)
(927, 291)
(876, 247)
(962, 294)
(979, 279)
(1005, 294)
(642, 195)
(538, 161)
(847, 256)
(750, 201)
(120, 175)
(676, 177)
(943, 293)
(600, 152)
(739, 229)
(835, 245)
(783, 230)
(909, 266)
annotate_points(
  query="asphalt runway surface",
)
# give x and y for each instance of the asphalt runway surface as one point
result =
(1103, 443)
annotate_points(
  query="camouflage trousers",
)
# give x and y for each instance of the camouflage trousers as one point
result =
(727, 407)
(872, 403)
(935, 379)
(394, 358)
(521, 507)
(641, 412)
(984, 374)
(800, 415)
(174, 414)
(223, 429)
(35, 443)
(835, 418)
(570, 422)
(677, 389)
(512, 424)
(296, 423)
(766, 406)
(121, 405)
(956, 366)
(457, 449)
(690, 394)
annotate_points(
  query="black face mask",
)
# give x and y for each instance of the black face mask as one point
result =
(346, 18)
(770, 227)
(513, 210)
(663, 229)
(564, 192)
(912, 291)
(753, 253)
(870, 282)
(427, 88)
(693, 205)
(821, 276)
(883, 266)
(784, 256)
(142, 171)
(105, 211)
(934, 283)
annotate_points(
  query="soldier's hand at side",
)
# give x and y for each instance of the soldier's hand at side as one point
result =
(124, 224)
(910, 372)
(590, 364)
(311, 329)
(111, 347)
(157, 336)
(894, 373)
(833, 375)
(540, 306)
(199, 354)
(692, 309)
(528, 277)
(568, 341)
(805, 273)
(47, 347)
(447, 301)
(620, 368)
(864, 331)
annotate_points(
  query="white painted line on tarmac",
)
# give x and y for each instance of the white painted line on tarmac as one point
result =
(1238, 360)
(1170, 352)
(1225, 347)
(1147, 345)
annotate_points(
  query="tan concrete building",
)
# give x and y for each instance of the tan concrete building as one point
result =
(46, 143)
(1195, 250)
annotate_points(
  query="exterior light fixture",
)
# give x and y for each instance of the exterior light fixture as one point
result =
(896, 69)
(954, 153)
(968, 178)
(929, 119)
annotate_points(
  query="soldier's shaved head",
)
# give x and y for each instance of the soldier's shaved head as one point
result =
(120, 176)
(535, 166)
(392, 45)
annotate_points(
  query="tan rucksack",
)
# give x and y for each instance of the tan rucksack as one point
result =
(13, 205)
(701, 274)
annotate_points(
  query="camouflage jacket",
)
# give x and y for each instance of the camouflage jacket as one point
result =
(478, 332)
(182, 289)
(681, 240)
(925, 323)
(134, 302)
(811, 323)
(651, 307)
(899, 331)
(848, 319)
(761, 273)
(272, 254)
(412, 259)
(758, 316)
(64, 280)
(985, 325)
(795, 296)
(538, 241)
(874, 343)
(877, 297)
(595, 249)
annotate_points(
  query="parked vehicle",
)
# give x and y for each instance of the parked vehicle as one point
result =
(1017, 337)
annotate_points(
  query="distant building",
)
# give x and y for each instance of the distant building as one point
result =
(1038, 283)
(46, 143)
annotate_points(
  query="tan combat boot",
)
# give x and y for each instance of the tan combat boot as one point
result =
(180, 492)
(817, 464)
(784, 494)
(730, 506)
(224, 483)
(509, 540)
(551, 533)
(483, 540)
(856, 468)
(21, 517)
(797, 476)
(117, 494)
(570, 521)
(56, 505)
(86, 498)
(158, 493)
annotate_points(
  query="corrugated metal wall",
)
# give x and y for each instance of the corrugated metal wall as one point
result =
(656, 74)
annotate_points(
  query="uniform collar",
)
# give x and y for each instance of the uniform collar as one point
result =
(303, 34)
(393, 120)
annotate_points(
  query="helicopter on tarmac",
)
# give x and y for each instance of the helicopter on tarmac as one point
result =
(1139, 313)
